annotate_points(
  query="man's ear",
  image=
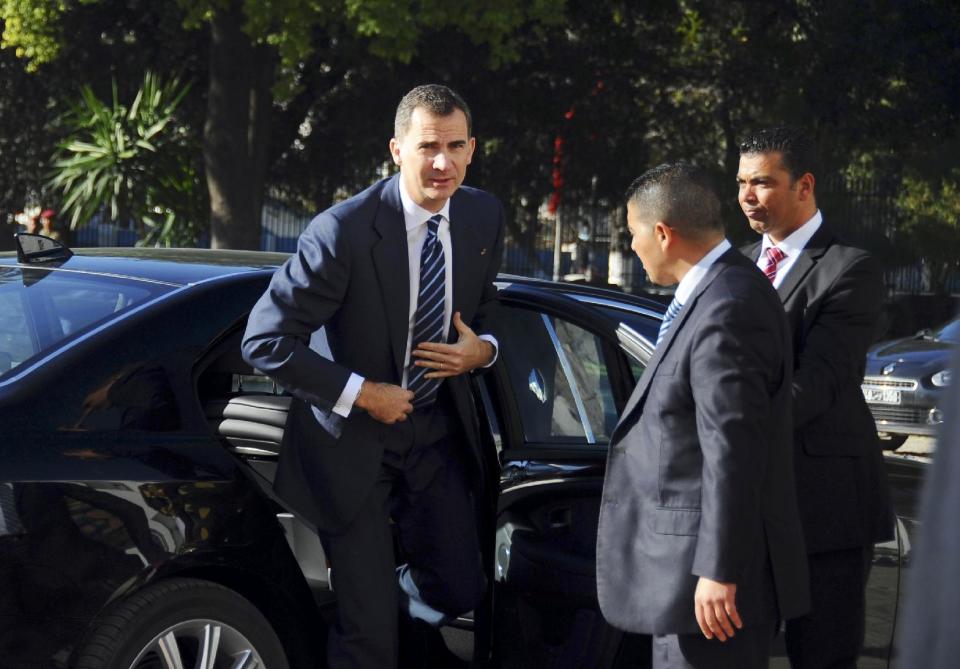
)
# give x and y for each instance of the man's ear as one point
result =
(395, 150)
(805, 185)
(471, 147)
(663, 234)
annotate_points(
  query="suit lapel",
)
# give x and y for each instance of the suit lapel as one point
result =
(808, 259)
(390, 261)
(639, 395)
(465, 249)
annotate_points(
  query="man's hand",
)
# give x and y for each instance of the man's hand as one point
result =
(715, 608)
(446, 360)
(385, 402)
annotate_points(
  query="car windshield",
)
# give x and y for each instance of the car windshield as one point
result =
(949, 332)
(42, 309)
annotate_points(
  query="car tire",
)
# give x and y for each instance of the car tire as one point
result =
(891, 442)
(182, 617)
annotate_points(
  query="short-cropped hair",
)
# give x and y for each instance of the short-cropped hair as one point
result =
(799, 153)
(679, 194)
(437, 99)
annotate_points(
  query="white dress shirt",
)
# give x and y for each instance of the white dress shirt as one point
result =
(791, 246)
(695, 274)
(415, 220)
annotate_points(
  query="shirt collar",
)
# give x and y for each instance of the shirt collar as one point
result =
(797, 240)
(696, 273)
(413, 214)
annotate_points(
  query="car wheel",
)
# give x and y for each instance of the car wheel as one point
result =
(891, 442)
(183, 623)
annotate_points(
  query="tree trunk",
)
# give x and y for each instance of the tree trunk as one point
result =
(236, 132)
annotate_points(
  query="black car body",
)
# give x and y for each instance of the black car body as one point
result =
(906, 380)
(137, 523)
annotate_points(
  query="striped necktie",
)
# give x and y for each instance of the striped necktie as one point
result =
(672, 310)
(771, 257)
(428, 318)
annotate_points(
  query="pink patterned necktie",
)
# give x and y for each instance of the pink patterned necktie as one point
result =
(772, 256)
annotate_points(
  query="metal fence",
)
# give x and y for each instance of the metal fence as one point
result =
(593, 244)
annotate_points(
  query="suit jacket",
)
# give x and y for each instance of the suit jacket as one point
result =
(350, 276)
(699, 475)
(832, 297)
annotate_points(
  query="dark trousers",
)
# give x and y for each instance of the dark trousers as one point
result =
(831, 635)
(422, 487)
(748, 649)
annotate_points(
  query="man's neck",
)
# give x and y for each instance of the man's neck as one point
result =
(692, 253)
(802, 218)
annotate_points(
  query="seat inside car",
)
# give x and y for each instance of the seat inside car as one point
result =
(243, 407)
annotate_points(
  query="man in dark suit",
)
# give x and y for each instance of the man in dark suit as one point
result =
(832, 294)
(699, 541)
(386, 429)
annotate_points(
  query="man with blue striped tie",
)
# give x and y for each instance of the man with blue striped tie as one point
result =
(699, 541)
(398, 276)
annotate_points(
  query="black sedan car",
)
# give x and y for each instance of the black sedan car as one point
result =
(906, 380)
(137, 524)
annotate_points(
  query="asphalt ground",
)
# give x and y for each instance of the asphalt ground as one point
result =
(921, 448)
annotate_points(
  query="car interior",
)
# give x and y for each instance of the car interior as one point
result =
(248, 412)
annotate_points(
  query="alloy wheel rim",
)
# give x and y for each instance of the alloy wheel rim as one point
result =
(199, 644)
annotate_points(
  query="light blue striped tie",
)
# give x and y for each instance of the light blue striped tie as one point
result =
(428, 318)
(672, 310)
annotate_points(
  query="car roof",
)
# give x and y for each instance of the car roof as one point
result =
(178, 267)
(610, 297)
(181, 267)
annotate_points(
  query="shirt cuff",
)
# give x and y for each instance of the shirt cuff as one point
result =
(348, 396)
(496, 348)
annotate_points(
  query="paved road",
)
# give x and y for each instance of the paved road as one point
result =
(918, 447)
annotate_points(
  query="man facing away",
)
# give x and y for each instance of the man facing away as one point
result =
(832, 294)
(386, 430)
(699, 541)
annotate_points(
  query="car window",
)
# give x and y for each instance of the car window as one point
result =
(44, 309)
(559, 378)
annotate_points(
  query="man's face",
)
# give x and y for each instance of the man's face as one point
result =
(647, 246)
(433, 156)
(772, 201)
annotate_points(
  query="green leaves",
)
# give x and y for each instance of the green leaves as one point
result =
(132, 163)
(931, 222)
(32, 27)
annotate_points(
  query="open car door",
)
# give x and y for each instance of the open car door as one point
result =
(566, 368)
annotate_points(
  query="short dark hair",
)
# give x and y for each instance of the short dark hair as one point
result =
(799, 153)
(679, 194)
(437, 99)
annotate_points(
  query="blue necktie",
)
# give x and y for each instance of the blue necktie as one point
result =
(672, 310)
(428, 318)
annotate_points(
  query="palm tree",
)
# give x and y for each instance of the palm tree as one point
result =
(133, 164)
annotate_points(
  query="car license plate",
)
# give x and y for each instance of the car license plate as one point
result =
(881, 395)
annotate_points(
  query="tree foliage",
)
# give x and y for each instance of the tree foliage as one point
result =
(571, 99)
(132, 163)
(262, 57)
(931, 223)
